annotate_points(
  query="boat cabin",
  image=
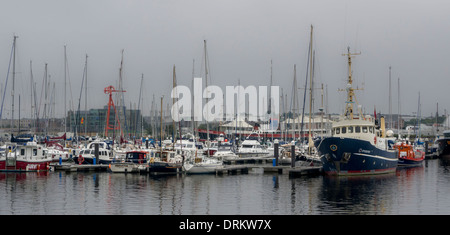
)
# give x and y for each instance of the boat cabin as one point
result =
(356, 129)
(136, 157)
(446, 134)
(31, 151)
(165, 156)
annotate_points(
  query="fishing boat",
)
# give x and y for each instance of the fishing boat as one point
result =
(358, 145)
(28, 157)
(134, 161)
(408, 155)
(443, 145)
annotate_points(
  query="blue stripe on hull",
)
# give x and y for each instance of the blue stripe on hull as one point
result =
(345, 156)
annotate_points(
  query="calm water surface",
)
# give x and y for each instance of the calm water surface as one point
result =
(420, 190)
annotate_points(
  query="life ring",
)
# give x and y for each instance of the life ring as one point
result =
(333, 147)
(80, 159)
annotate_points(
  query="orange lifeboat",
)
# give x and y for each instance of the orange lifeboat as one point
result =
(408, 155)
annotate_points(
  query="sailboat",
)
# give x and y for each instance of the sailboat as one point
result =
(203, 164)
(357, 146)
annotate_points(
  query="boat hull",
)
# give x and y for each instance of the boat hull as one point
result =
(89, 160)
(443, 148)
(202, 168)
(409, 162)
(164, 167)
(347, 156)
(25, 166)
(126, 167)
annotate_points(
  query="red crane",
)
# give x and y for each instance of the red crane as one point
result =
(109, 90)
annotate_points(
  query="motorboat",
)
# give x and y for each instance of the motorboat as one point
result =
(30, 156)
(135, 161)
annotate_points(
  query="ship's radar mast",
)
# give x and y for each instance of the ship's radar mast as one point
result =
(351, 99)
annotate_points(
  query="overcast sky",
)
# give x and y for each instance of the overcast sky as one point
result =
(242, 36)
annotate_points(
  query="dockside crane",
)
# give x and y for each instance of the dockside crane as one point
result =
(109, 90)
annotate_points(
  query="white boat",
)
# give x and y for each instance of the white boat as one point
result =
(202, 165)
(57, 153)
(87, 155)
(134, 161)
(252, 148)
(225, 151)
(187, 149)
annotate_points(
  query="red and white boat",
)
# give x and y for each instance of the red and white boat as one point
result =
(408, 155)
(28, 157)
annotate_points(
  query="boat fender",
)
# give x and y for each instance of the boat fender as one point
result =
(152, 160)
(375, 140)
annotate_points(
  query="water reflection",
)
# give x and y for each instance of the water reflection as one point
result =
(418, 190)
(356, 194)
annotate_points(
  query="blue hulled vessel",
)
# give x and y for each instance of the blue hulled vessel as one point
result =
(357, 146)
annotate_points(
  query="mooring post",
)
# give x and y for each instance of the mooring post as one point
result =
(96, 154)
(275, 149)
(293, 155)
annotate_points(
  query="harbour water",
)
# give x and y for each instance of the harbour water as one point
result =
(419, 190)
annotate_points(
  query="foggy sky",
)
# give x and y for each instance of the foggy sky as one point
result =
(242, 37)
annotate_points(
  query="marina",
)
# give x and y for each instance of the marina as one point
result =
(224, 108)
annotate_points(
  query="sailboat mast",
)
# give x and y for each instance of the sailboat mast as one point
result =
(65, 89)
(310, 85)
(13, 80)
(294, 103)
(85, 97)
(398, 115)
(174, 131)
(161, 127)
(390, 100)
(192, 98)
(206, 86)
(139, 108)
